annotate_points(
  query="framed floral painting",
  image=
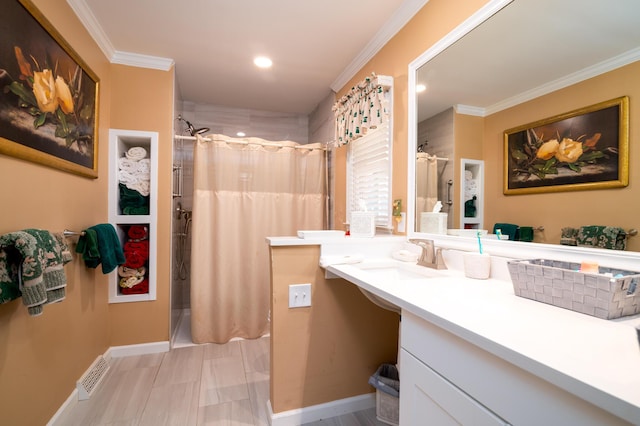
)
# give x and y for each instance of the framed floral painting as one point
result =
(583, 149)
(48, 96)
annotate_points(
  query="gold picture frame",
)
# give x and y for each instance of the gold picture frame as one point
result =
(584, 149)
(49, 96)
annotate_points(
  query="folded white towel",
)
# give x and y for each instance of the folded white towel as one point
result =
(144, 165)
(129, 282)
(136, 153)
(128, 165)
(127, 178)
(142, 176)
(340, 260)
(142, 186)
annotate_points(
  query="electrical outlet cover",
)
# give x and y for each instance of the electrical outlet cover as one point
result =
(299, 295)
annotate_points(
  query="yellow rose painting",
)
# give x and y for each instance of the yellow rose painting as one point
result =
(48, 97)
(48, 94)
(577, 150)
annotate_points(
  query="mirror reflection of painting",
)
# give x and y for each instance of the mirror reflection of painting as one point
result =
(582, 148)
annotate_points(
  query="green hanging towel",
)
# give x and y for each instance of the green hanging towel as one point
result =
(568, 236)
(607, 237)
(526, 233)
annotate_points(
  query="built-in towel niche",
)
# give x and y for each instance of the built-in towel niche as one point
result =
(471, 185)
(134, 214)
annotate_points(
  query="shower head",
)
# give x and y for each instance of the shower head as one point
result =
(192, 130)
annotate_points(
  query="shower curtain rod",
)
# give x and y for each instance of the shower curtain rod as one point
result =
(272, 144)
(442, 159)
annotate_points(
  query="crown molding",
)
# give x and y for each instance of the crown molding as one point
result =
(88, 19)
(142, 61)
(566, 81)
(470, 110)
(399, 19)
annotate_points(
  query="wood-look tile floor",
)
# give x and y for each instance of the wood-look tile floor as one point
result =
(191, 385)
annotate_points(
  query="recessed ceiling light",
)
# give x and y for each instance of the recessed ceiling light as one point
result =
(241, 134)
(420, 88)
(263, 62)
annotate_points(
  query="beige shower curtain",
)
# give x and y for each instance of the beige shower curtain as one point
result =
(426, 183)
(243, 194)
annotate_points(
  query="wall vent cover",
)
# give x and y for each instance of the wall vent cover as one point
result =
(92, 378)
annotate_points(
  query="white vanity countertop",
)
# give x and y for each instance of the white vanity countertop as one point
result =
(595, 359)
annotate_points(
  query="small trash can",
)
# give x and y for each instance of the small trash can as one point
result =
(386, 380)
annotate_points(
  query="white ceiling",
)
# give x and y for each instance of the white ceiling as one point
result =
(316, 46)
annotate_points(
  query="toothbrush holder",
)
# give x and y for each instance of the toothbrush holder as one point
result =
(477, 266)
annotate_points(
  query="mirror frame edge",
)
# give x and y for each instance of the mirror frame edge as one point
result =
(480, 16)
(512, 249)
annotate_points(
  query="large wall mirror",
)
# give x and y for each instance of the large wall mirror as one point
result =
(513, 53)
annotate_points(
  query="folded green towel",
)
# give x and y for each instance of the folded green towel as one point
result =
(24, 277)
(100, 245)
(31, 266)
(10, 260)
(525, 233)
(568, 236)
(55, 279)
(88, 247)
(507, 229)
(132, 202)
(607, 237)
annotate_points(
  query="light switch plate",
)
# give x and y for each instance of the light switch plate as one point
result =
(299, 295)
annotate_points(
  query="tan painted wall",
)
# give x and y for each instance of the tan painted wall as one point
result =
(327, 351)
(468, 131)
(143, 100)
(42, 357)
(615, 207)
(428, 26)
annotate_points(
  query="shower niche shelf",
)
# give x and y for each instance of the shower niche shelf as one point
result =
(133, 201)
(472, 184)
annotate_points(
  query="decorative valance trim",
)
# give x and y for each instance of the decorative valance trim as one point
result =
(364, 107)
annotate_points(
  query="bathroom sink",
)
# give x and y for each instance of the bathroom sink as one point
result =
(394, 271)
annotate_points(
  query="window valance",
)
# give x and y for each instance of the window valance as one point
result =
(365, 107)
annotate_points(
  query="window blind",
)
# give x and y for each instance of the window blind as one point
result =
(369, 175)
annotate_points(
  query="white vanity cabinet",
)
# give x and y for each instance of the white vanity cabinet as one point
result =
(430, 399)
(445, 380)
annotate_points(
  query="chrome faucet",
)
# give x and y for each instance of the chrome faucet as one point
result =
(431, 256)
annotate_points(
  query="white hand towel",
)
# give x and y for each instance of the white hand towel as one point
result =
(141, 186)
(131, 166)
(144, 165)
(136, 153)
(127, 178)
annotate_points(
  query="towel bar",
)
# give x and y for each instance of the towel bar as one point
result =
(68, 233)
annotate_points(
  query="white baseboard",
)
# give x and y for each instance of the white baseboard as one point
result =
(321, 411)
(112, 352)
(140, 349)
(71, 402)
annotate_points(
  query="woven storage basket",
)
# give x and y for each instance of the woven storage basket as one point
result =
(561, 284)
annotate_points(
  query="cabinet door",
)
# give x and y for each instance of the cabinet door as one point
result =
(426, 398)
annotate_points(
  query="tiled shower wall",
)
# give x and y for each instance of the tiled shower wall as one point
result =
(274, 126)
(437, 135)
